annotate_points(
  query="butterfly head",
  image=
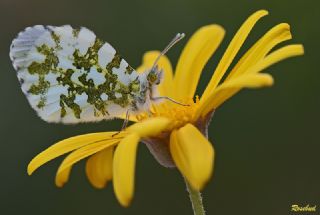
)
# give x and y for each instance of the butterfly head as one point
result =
(154, 76)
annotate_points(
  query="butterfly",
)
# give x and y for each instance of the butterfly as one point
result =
(69, 75)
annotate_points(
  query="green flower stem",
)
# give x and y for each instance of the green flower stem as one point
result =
(196, 200)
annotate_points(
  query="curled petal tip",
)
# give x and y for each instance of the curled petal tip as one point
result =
(215, 27)
(125, 203)
(29, 172)
(30, 168)
(263, 12)
(268, 80)
(300, 49)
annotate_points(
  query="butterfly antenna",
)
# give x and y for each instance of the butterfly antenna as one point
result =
(176, 39)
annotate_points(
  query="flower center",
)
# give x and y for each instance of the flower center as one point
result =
(179, 114)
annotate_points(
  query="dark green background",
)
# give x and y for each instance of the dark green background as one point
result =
(266, 141)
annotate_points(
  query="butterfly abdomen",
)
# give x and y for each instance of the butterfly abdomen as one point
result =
(69, 75)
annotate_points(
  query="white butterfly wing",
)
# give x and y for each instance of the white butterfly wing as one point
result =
(70, 76)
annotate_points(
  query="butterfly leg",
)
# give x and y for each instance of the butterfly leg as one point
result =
(168, 98)
(125, 123)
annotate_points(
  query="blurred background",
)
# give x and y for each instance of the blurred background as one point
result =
(266, 141)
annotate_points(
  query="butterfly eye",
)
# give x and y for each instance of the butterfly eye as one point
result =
(152, 77)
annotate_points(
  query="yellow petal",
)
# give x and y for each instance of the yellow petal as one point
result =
(150, 127)
(193, 154)
(272, 38)
(231, 51)
(250, 79)
(65, 146)
(276, 56)
(194, 57)
(124, 169)
(99, 167)
(229, 88)
(66, 165)
(63, 177)
(165, 87)
(132, 117)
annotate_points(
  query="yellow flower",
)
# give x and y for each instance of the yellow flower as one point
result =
(176, 135)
